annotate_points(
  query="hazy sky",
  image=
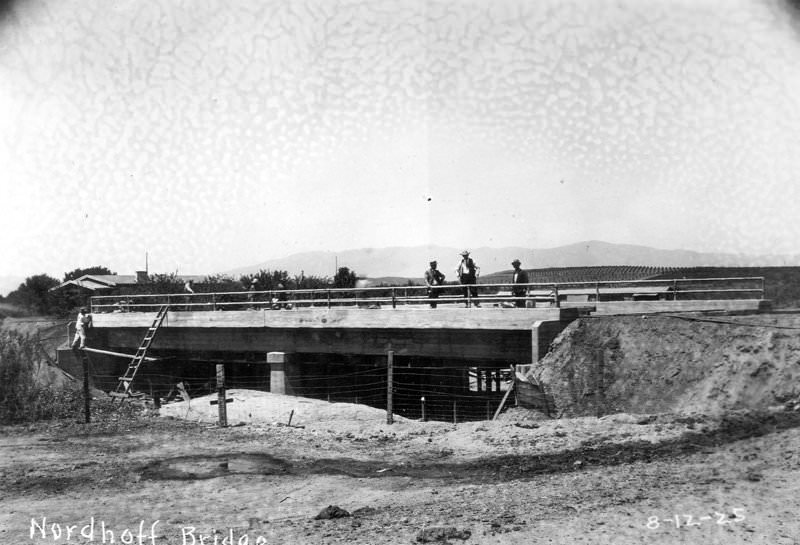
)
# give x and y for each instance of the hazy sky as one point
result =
(215, 134)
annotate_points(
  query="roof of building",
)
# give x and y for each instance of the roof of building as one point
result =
(98, 282)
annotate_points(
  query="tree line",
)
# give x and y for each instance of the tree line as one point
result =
(35, 295)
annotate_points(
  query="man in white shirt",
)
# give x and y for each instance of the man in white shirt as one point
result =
(83, 323)
(468, 273)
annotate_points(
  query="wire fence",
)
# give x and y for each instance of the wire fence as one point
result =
(453, 393)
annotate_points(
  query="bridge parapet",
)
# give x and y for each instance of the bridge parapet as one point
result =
(505, 295)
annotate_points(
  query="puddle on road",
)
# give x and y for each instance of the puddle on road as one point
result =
(209, 467)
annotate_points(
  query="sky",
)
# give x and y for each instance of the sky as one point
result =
(214, 134)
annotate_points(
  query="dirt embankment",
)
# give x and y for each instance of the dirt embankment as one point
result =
(680, 363)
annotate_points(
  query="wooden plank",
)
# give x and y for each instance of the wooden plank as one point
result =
(124, 395)
(503, 402)
(118, 354)
(653, 307)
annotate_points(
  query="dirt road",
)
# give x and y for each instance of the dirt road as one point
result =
(619, 479)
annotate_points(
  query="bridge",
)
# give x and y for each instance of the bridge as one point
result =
(306, 341)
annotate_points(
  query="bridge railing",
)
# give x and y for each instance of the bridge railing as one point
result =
(497, 294)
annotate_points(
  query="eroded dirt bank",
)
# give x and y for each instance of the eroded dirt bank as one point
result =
(679, 363)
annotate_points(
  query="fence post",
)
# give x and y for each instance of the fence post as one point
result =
(389, 387)
(329, 298)
(555, 292)
(763, 287)
(87, 396)
(223, 413)
(675, 290)
(422, 402)
(455, 413)
(394, 299)
(213, 301)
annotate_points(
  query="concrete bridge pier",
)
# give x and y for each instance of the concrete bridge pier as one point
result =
(282, 366)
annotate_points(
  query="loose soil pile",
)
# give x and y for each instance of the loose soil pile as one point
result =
(658, 363)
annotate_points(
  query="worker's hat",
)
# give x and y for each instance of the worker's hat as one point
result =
(84, 309)
(516, 262)
(433, 262)
(465, 252)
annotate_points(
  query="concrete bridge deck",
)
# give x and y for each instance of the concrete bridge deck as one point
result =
(494, 334)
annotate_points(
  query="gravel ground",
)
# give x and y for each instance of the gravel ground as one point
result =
(623, 478)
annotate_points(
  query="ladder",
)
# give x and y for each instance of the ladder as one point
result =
(123, 390)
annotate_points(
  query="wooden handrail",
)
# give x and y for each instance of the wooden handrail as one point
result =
(331, 297)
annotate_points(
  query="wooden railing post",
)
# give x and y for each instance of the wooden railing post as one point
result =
(394, 299)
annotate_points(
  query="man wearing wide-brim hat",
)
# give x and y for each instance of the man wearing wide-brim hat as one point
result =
(519, 277)
(468, 273)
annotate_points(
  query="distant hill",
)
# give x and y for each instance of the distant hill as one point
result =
(411, 262)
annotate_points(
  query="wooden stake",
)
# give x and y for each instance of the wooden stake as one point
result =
(502, 403)
(223, 412)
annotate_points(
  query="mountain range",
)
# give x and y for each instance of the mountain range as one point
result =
(411, 262)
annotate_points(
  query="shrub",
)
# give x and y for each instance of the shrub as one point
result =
(21, 398)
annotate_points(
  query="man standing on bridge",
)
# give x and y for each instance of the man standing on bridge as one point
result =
(520, 277)
(468, 273)
(433, 278)
(83, 323)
